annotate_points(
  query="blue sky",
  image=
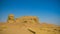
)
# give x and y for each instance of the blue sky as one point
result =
(46, 10)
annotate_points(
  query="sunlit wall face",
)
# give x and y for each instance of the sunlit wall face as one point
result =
(46, 10)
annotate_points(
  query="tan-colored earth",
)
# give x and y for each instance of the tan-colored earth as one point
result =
(27, 25)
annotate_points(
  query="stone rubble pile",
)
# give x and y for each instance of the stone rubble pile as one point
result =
(27, 25)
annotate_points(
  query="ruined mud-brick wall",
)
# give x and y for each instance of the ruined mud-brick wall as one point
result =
(27, 25)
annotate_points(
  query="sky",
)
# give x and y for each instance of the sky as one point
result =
(46, 10)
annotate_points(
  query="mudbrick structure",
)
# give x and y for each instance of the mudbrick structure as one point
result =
(27, 25)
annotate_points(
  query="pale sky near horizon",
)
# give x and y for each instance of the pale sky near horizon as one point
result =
(47, 10)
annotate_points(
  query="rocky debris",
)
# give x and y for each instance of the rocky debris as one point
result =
(27, 25)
